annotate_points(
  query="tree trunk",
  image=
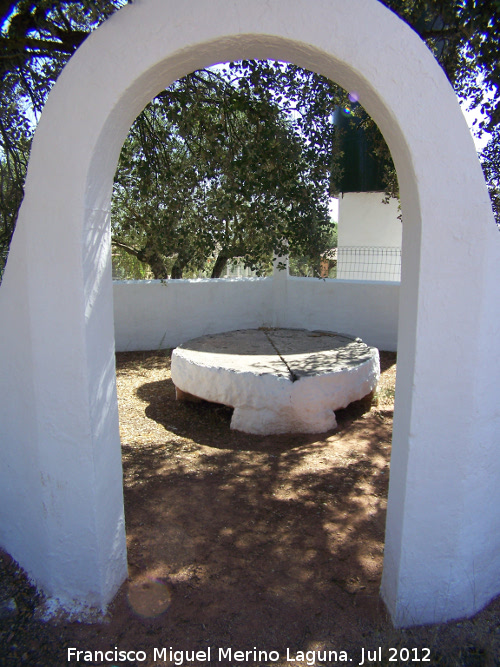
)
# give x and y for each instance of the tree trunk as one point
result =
(157, 265)
(220, 265)
(176, 271)
(154, 260)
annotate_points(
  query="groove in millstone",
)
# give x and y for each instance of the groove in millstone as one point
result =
(293, 376)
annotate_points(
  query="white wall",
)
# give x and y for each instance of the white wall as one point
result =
(365, 309)
(153, 314)
(366, 222)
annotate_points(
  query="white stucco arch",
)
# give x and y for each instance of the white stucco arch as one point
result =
(61, 507)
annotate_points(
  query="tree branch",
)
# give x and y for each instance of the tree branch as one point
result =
(127, 248)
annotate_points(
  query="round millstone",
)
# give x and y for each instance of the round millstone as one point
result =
(277, 380)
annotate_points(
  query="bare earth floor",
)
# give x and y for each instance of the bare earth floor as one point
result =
(239, 541)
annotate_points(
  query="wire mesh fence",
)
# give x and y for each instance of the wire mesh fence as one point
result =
(369, 263)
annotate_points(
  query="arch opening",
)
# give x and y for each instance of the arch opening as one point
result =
(265, 472)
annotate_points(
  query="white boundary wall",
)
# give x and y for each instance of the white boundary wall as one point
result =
(153, 314)
(365, 309)
(61, 487)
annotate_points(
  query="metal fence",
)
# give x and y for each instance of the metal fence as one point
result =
(369, 263)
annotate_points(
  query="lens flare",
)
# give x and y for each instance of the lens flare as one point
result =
(148, 597)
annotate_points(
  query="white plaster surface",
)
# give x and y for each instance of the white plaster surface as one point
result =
(365, 220)
(277, 380)
(370, 309)
(152, 315)
(61, 505)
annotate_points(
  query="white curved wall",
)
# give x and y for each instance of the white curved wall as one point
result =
(61, 506)
(365, 309)
(152, 315)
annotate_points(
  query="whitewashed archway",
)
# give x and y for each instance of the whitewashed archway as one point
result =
(61, 507)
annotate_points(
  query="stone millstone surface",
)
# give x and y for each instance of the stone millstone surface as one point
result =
(277, 380)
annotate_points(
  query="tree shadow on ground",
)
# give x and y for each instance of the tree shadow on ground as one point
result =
(208, 423)
(268, 541)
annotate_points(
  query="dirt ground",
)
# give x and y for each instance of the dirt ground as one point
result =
(245, 542)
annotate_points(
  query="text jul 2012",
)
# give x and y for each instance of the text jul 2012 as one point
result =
(180, 657)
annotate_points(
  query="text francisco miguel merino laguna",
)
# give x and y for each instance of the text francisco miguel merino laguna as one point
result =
(190, 658)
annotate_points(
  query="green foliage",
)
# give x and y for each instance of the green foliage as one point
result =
(38, 36)
(490, 160)
(464, 36)
(12, 173)
(323, 265)
(128, 267)
(214, 169)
